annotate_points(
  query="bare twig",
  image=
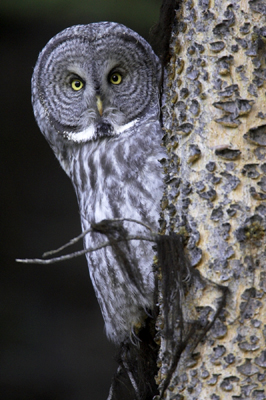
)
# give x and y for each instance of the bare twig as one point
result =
(82, 252)
(70, 243)
(76, 239)
(135, 221)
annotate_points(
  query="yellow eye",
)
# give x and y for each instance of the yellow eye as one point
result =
(115, 78)
(77, 84)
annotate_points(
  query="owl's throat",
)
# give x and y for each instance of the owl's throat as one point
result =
(98, 129)
(103, 129)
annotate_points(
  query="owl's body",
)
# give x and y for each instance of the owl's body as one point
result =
(96, 100)
(121, 180)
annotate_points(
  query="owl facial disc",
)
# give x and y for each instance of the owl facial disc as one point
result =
(93, 82)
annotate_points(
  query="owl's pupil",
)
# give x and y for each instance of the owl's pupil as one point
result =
(115, 78)
(77, 84)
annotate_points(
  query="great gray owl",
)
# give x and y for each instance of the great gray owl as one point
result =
(95, 94)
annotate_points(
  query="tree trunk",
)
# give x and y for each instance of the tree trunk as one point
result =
(215, 134)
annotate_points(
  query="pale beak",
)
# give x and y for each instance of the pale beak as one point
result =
(99, 105)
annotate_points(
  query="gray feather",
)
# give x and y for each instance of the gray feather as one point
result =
(110, 152)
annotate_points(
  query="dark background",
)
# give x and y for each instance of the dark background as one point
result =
(52, 340)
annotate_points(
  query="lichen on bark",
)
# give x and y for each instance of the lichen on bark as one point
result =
(215, 135)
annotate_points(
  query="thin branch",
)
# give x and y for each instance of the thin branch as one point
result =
(76, 239)
(135, 221)
(70, 243)
(81, 252)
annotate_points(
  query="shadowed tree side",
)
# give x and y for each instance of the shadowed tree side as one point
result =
(215, 134)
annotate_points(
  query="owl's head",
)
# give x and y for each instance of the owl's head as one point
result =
(94, 81)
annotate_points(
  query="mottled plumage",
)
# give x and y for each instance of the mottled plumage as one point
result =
(95, 94)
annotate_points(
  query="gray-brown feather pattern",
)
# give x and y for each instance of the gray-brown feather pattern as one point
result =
(112, 159)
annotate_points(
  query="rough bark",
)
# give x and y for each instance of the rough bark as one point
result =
(215, 134)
